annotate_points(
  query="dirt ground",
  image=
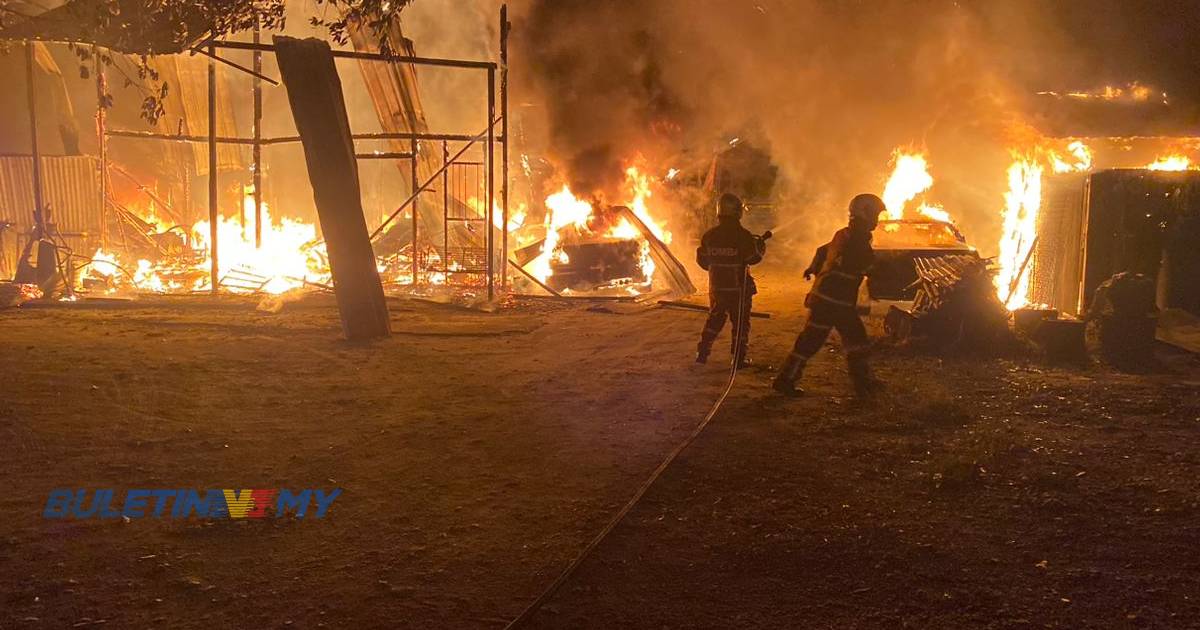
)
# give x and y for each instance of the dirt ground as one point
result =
(478, 452)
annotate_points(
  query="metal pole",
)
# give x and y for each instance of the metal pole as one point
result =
(257, 140)
(446, 210)
(39, 217)
(102, 142)
(214, 271)
(491, 157)
(411, 198)
(504, 26)
(415, 185)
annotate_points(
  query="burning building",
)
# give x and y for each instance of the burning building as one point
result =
(1120, 198)
(190, 198)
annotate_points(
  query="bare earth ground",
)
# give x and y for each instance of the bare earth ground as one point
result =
(478, 452)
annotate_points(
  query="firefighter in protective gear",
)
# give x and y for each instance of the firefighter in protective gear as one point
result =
(840, 267)
(726, 252)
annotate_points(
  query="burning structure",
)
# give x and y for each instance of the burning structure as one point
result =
(111, 226)
(1121, 198)
(602, 220)
(122, 218)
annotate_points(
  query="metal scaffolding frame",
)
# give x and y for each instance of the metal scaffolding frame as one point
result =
(257, 141)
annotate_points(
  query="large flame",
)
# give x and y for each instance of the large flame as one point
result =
(1171, 163)
(565, 211)
(910, 178)
(290, 255)
(1021, 205)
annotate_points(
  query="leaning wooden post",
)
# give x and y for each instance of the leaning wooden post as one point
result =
(214, 270)
(319, 109)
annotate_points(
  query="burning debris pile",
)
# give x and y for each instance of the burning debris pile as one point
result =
(955, 305)
(177, 259)
(582, 246)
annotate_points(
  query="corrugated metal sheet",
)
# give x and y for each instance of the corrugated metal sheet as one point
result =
(188, 78)
(70, 190)
(1056, 270)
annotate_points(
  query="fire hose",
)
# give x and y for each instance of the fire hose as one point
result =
(526, 615)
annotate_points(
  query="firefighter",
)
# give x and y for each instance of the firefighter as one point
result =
(726, 252)
(840, 267)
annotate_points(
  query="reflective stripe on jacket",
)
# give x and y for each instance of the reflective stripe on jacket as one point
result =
(845, 263)
(725, 252)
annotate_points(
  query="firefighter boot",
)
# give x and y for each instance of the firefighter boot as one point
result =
(785, 381)
(702, 352)
(865, 383)
(740, 360)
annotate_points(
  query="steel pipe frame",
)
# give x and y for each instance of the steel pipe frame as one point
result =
(171, 137)
(212, 139)
(352, 54)
(39, 209)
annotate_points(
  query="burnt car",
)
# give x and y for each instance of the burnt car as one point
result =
(897, 242)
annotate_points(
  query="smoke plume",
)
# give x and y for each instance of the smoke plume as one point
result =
(830, 89)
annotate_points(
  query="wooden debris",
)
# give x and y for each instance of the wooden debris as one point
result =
(955, 304)
(581, 298)
(534, 279)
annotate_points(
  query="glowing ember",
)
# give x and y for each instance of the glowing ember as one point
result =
(1134, 93)
(1171, 163)
(1021, 205)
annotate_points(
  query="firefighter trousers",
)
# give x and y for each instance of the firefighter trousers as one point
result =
(822, 319)
(727, 304)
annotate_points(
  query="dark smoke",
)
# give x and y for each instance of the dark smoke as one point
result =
(597, 67)
(829, 87)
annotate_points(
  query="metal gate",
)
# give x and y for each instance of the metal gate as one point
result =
(464, 216)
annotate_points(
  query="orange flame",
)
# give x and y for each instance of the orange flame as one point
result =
(1021, 205)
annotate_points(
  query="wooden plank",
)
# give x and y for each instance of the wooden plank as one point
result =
(534, 279)
(319, 109)
(692, 306)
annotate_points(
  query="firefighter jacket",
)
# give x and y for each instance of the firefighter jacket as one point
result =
(840, 266)
(725, 252)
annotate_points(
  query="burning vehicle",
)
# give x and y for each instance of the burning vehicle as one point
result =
(899, 242)
(591, 247)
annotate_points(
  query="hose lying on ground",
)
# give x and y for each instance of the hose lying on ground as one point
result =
(527, 614)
